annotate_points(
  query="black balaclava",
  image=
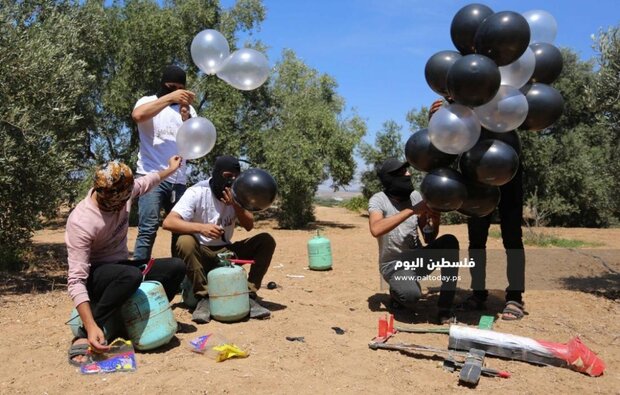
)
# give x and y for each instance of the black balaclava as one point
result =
(171, 73)
(398, 187)
(218, 182)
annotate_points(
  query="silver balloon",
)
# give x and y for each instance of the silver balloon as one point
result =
(543, 26)
(505, 112)
(245, 69)
(196, 138)
(209, 51)
(454, 129)
(519, 72)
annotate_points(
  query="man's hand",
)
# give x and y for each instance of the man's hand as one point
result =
(96, 339)
(434, 107)
(174, 162)
(182, 96)
(227, 197)
(211, 231)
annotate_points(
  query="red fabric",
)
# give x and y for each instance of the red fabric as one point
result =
(578, 356)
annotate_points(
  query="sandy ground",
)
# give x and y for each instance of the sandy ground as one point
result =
(570, 292)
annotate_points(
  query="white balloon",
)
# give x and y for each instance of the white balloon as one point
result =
(245, 69)
(505, 112)
(454, 129)
(519, 72)
(196, 138)
(543, 26)
(209, 51)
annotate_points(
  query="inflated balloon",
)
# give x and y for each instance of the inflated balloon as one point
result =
(436, 70)
(510, 138)
(545, 106)
(454, 129)
(490, 162)
(519, 72)
(196, 138)
(481, 200)
(209, 50)
(443, 189)
(549, 63)
(254, 190)
(505, 112)
(503, 37)
(465, 24)
(543, 26)
(245, 69)
(473, 80)
(423, 155)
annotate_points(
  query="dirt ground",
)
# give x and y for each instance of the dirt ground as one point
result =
(570, 292)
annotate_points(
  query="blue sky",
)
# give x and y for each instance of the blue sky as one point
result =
(376, 49)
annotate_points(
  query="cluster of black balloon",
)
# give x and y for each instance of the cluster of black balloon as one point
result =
(496, 83)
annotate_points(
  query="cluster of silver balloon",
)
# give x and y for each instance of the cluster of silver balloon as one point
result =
(498, 81)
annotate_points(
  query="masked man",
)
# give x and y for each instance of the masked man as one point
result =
(159, 117)
(394, 217)
(206, 216)
(101, 278)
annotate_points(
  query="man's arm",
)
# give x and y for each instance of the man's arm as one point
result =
(176, 224)
(380, 225)
(245, 217)
(173, 165)
(148, 110)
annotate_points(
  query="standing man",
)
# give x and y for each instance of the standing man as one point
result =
(159, 118)
(394, 217)
(206, 216)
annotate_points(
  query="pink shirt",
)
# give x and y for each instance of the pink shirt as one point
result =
(95, 237)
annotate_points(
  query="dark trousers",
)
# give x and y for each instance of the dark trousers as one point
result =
(511, 213)
(200, 259)
(404, 285)
(111, 284)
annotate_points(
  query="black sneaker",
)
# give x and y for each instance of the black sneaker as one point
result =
(202, 313)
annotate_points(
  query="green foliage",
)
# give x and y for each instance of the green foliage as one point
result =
(305, 140)
(356, 204)
(541, 239)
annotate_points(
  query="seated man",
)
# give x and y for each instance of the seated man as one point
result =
(101, 278)
(394, 216)
(205, 217)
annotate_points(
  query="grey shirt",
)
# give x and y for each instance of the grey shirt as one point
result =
(402, 238)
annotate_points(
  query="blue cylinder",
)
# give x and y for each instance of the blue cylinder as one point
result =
(113, 328)
(148, 318)
(228, 293)
(319, 253)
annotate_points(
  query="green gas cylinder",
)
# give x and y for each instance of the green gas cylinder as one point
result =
(319, 253)
(228, 291)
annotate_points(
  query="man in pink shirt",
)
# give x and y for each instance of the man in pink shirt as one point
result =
(101, 277)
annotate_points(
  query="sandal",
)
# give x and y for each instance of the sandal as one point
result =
(472, 303)
(513, 311)
(78, 350)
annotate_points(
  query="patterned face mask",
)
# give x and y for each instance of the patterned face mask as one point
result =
(113, 184)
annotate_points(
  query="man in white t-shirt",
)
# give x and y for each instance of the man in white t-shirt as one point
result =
(205, 217)
(394, 217)
(159, 117)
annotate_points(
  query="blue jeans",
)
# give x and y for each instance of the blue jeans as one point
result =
(149, 209)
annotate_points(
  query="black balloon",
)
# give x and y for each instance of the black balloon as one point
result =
(443, 189)
(490, 162)
(549, 63)
(473, 80)
(436, 70)
(423, 155)
(481, 200)
(511, 138)
(465, 24)
(545, 106)
(503, 37)
(254, 190)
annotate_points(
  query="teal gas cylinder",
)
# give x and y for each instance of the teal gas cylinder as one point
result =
(319, 253)
(148, 318)
(113, 328)
(228, 293)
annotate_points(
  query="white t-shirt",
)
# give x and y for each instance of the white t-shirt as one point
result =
(198, 204)
(158, 140)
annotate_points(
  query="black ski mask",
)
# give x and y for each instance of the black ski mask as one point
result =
(394, 185)
(171, 73)
(218, 182)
